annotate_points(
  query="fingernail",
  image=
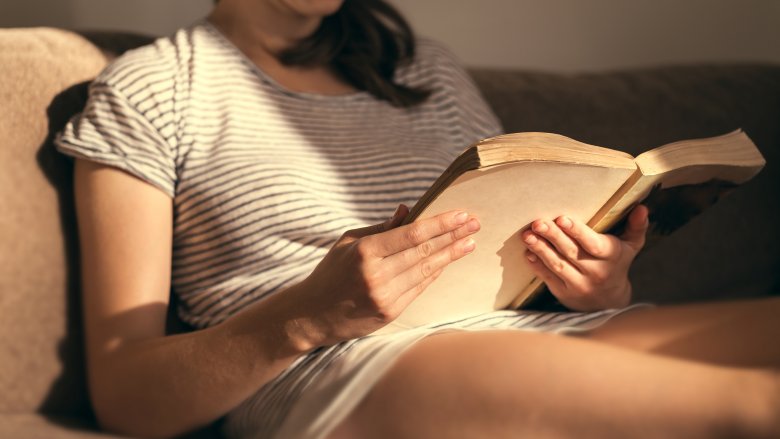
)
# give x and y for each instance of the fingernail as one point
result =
(530, 239)
(531, 257)
(397, 212)
(469, 245)
(461, 218)
(472, 225)
(565, 222)
(540, 227)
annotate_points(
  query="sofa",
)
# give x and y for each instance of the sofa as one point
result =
(731, 251)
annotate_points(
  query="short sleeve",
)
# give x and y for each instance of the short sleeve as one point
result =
(477, 120)
(112, 131)
(458, 96)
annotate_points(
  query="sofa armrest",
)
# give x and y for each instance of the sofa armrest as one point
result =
(36, 426)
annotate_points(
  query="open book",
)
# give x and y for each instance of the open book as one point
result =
(511, 180)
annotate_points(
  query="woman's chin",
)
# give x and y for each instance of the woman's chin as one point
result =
(315, 8)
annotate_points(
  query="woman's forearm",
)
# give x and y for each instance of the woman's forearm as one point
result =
(156, 386)
(169, 385)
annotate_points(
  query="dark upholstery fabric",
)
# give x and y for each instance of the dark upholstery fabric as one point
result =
(733, 249)
(113, 44)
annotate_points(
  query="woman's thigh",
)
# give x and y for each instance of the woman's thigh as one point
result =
(523, 384)
(736, 333)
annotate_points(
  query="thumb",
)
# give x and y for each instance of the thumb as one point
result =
(394, 221)
(636, 228)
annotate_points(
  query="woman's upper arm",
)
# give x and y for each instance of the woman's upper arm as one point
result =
(125, 235)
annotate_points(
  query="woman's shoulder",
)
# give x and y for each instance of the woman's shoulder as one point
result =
(433, 61)
(434, 67)
(433, 53)
(165, 59)
(432, 49)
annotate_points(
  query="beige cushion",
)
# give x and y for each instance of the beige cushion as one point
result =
(38, 345)
(32, 426)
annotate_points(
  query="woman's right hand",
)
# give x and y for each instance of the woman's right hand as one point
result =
(372, 274)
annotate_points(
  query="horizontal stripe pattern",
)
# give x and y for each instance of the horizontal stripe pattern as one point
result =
(263, 179)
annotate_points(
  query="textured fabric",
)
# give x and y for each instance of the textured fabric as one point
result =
(265, 180)
(32, 426)
(314, 395)
(40, 339)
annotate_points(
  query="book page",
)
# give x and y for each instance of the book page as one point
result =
(675, 197)
(506, 199)
(734, 149)
(680, 180)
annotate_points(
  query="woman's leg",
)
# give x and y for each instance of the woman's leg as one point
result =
(742, 333)
(518, 384)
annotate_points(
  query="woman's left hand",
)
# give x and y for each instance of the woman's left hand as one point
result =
(583, 269)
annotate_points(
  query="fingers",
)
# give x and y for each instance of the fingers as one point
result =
(425, 268)
(405, 299)
(554, 283)
(541, 251)
(564, 244)
(584, 269)
(397, 262)
(594, 243)
(636, 228)
(394, 221)
(407, 258)
(398, 217)
(412, 235)
(558, 258)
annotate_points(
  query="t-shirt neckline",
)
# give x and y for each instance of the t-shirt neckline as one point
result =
(225, 41)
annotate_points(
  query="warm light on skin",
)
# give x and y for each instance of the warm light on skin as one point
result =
(273, 25)
(263, 29)
(320, 8)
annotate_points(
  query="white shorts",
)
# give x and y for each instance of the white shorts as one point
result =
(317, 392)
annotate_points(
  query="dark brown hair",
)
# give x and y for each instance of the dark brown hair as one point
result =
(364, 42)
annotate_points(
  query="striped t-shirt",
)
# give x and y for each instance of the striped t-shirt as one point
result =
(263, 179)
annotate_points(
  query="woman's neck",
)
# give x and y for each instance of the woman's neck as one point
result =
(262, 28)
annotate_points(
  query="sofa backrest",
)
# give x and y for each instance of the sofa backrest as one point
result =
(40, 339)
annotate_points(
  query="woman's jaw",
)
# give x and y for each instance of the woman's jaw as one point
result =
(274, 24)
(309, 8)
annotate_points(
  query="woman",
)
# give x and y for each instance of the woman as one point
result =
(226, 161)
